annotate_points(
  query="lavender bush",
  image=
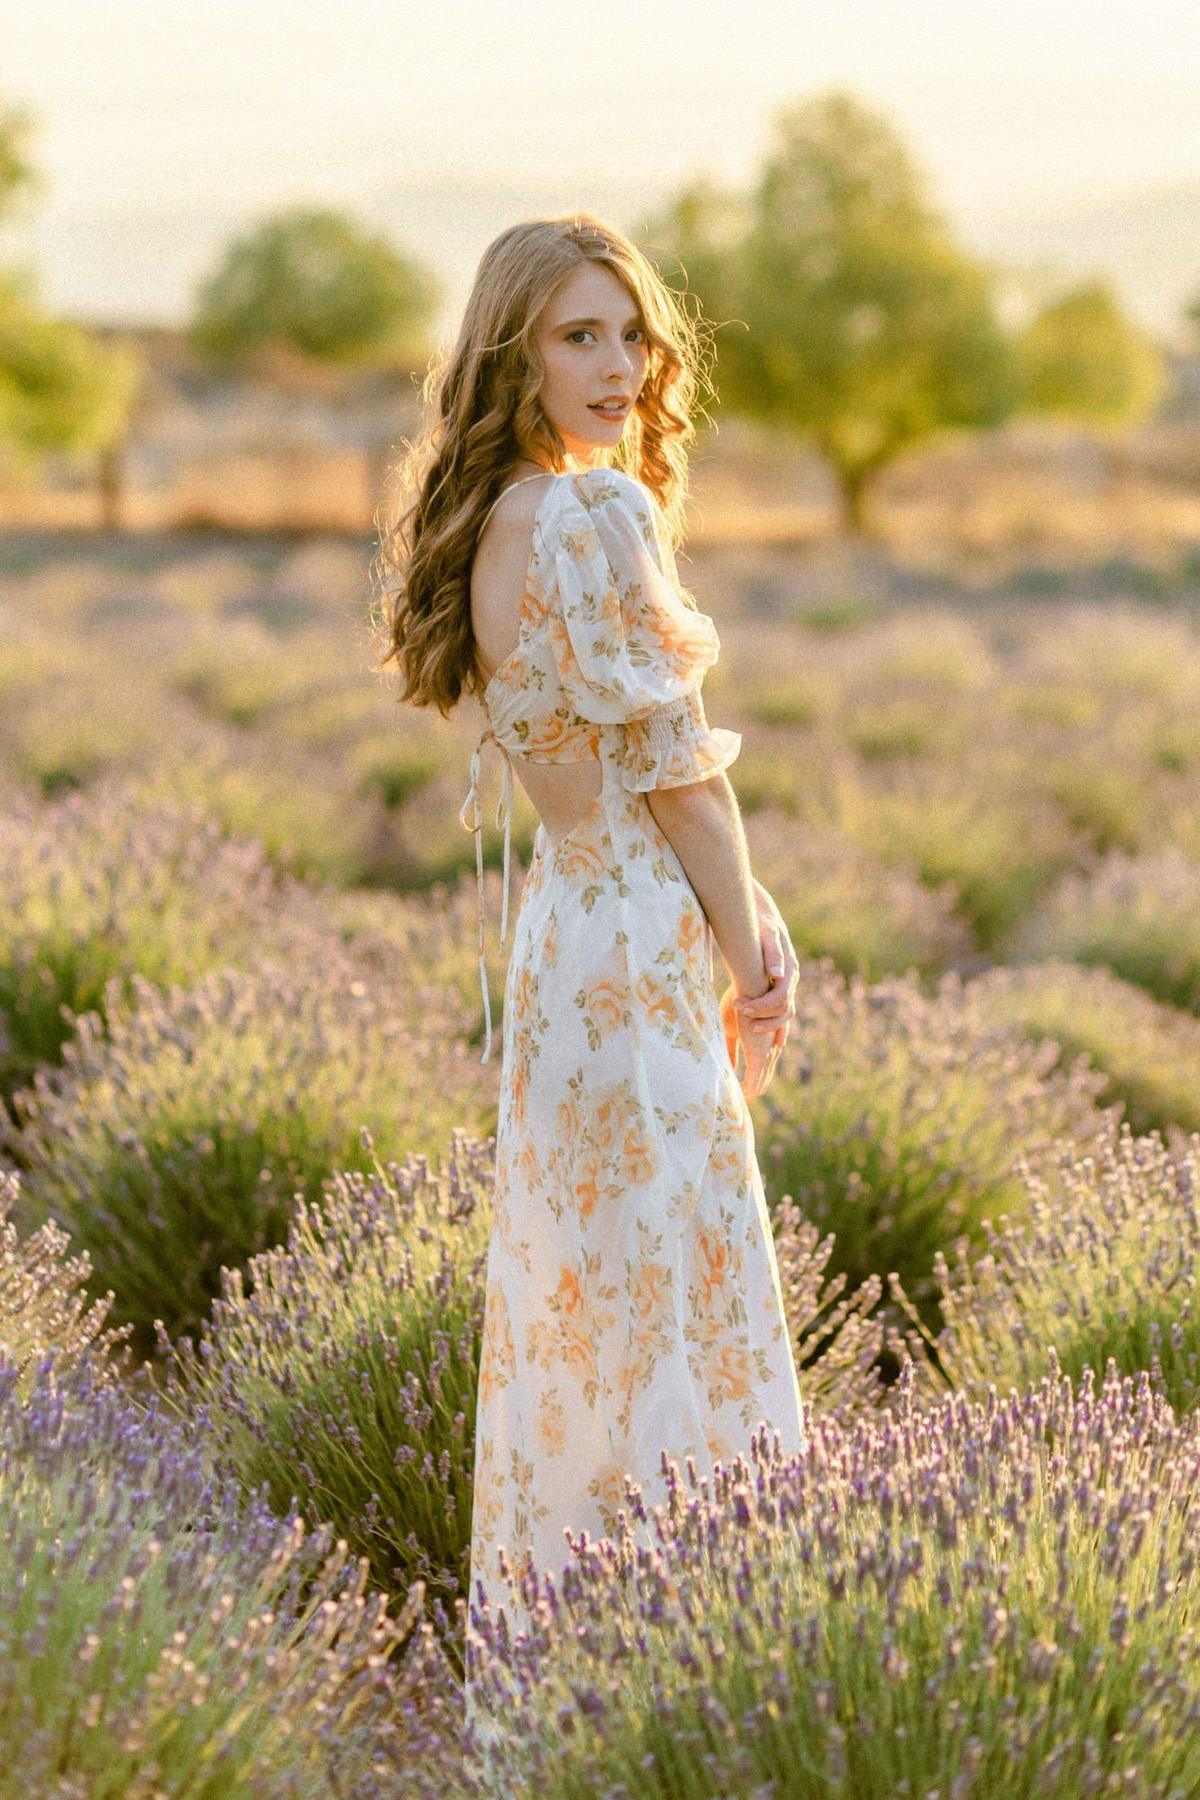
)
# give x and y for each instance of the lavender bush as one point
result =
(1100, 794)
(237, 670)
(909, 721)
(108, 883)
(160, 1635)
(43, 1306)
(94, 719)
(896, 1117)
(345, 1377)
(1117, 650)
(870, 918)
(303, 813)
(177, 1143)
(1139, 915)
(944, 651)
(422, 950)
(1100, 1270)
(385, 764)
(1148, 1052)
(967, 1602)
(961, 821)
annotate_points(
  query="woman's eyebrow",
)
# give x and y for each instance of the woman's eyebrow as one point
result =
(565, 323)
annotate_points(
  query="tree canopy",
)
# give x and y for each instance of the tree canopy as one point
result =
(310, 282)
(1080, 357)
(845, 309)
(59, 388)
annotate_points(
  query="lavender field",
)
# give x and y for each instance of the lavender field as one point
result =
(245, 1156)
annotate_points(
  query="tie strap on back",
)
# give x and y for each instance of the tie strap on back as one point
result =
(471, 819)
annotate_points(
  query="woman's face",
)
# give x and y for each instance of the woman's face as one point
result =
(593, 343)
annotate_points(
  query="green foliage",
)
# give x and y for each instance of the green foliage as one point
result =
(18, 177)
(177, 1144)
(60, 389)
(896, 1117)
(346, 1376)
(1191, 313)
(159, 1635)
(313, 282)
(1138, 915)
(1082, 357)
(861, 323)
(44, 1310)
(1149, 1052)
(1098, 1271)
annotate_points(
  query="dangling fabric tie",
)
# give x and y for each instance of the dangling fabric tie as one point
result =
(471, 818)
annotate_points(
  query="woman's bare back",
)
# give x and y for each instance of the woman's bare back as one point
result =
(561, 793)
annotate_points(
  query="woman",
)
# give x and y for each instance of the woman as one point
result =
(633, 1302)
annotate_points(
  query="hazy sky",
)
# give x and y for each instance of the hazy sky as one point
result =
(161, 129)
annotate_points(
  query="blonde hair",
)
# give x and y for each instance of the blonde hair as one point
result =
(481, 412)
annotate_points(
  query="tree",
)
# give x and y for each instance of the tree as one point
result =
(866, 328)
(1191, 313)
(309, 285)
(59, 389)
(1080, 357)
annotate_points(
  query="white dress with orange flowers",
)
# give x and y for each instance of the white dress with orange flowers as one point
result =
(633, 1301)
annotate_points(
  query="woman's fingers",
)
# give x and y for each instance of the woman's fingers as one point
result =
(775, 1004)
(761, 1060)
(762, 1039)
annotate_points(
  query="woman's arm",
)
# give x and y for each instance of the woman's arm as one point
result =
(703, 825)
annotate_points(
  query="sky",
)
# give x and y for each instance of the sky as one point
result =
(1062, 132)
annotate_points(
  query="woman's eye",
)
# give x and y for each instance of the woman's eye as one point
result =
(583, 332)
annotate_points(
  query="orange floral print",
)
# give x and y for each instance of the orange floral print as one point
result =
(633, 1302)
(605, 1004)
(549, 734)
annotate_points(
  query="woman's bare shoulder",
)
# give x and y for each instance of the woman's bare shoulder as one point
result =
(514, 513)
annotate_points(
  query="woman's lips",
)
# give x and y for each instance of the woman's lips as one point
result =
(608, 411)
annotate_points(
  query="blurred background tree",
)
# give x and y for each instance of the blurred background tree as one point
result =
(310, 302)
(307, 291)
(60, 390)
(1082, 357)
(848, 313)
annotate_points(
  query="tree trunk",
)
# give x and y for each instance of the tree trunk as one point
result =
(112, 485)
(854, 487)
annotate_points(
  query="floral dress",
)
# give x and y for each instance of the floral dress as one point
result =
(633, 1301)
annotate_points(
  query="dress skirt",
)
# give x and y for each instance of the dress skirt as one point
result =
(633, 1301)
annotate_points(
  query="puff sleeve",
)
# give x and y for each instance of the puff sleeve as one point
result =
(630, 647)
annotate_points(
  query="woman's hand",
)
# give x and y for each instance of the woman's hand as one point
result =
(777, 1007)
(760, 1043)
(761, 1023)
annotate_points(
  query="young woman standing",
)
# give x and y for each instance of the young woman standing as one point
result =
(633, 1302)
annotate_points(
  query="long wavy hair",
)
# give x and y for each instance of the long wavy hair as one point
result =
(480, 413)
